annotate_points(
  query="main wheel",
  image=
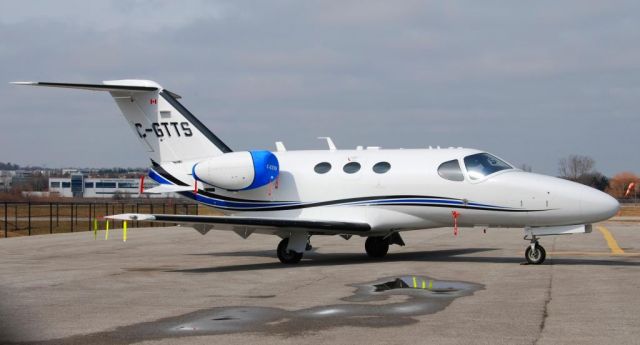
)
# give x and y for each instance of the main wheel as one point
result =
(287, 256)
(376, 246)
(535, 256)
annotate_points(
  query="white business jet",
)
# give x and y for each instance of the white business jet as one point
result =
(367, 192)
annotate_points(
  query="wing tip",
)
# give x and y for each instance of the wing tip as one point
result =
(23, 82)
(131, 216)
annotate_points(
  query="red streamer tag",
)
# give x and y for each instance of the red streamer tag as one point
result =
(195, 187)
(455, 215)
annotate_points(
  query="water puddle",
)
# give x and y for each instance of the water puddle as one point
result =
(424, 295)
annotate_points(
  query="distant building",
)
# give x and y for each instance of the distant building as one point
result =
(21, 177)
(5, 183)
(79, 186)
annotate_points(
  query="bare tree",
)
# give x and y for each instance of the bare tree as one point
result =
(526, 167)
(575, 166)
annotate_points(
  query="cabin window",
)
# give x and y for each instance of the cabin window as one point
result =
(55, 184)
(322, 168)
(381, 167)
(451, 171)
(351, 168)
(484, 164)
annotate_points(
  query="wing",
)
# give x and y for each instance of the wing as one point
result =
(244, 226)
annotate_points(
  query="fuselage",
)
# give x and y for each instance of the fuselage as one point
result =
(367, 192)
(405, 191)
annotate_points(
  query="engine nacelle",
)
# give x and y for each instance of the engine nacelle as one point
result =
(238, 170)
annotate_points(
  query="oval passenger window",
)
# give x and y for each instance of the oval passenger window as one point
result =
(351, 168)
(451, 171)
(322, 168)
(381, 167)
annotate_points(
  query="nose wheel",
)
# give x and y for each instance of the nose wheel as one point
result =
(535, 253)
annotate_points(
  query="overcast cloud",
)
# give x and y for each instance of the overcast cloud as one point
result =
(529, 81)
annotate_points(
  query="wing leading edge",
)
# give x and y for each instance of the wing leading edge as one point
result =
(258, 224)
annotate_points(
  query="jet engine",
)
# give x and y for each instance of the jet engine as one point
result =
(238, 170)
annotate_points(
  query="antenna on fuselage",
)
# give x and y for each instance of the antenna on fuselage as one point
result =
(332, 146)
(280, 146)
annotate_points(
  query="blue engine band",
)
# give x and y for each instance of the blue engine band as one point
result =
(265, 167)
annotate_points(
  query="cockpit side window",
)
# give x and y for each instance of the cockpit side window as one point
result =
(451, 171)
(484, 164)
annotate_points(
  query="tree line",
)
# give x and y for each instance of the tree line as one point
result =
(581, 169)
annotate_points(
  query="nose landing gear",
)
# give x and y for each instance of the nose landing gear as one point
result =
(535, 253)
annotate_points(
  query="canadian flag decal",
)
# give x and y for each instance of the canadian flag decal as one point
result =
(153, 101)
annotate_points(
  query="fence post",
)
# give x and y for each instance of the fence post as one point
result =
(6, 221)
(29, 215)
(50, 218)
(164, 211)
(71, 217)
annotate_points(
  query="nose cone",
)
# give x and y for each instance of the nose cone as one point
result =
(598, 206)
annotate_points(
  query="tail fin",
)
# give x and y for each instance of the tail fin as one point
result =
(168, 131)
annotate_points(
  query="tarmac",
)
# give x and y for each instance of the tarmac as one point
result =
(175, 286)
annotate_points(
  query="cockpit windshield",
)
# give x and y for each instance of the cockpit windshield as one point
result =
(484, 164)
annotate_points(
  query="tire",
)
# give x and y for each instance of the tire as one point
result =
(376, 247)
(287, 256)
(535, 256)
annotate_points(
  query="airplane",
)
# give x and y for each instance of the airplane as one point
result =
(368, 192)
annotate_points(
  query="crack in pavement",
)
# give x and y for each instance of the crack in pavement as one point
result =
(547, 300)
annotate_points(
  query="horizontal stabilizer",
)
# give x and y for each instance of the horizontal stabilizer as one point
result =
(167, 188)
(108, 86)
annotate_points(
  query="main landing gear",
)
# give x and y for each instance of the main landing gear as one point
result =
(378, 246)
(287, 256)
(535, 253)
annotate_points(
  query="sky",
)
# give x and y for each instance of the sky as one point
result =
(531, 82)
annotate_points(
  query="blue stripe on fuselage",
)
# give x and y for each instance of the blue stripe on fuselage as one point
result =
(266, 205)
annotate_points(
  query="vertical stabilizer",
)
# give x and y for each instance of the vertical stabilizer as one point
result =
(167, 130)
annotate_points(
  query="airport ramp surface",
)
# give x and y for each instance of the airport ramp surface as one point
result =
(175, 286)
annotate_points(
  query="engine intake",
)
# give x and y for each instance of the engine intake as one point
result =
(238, 170)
